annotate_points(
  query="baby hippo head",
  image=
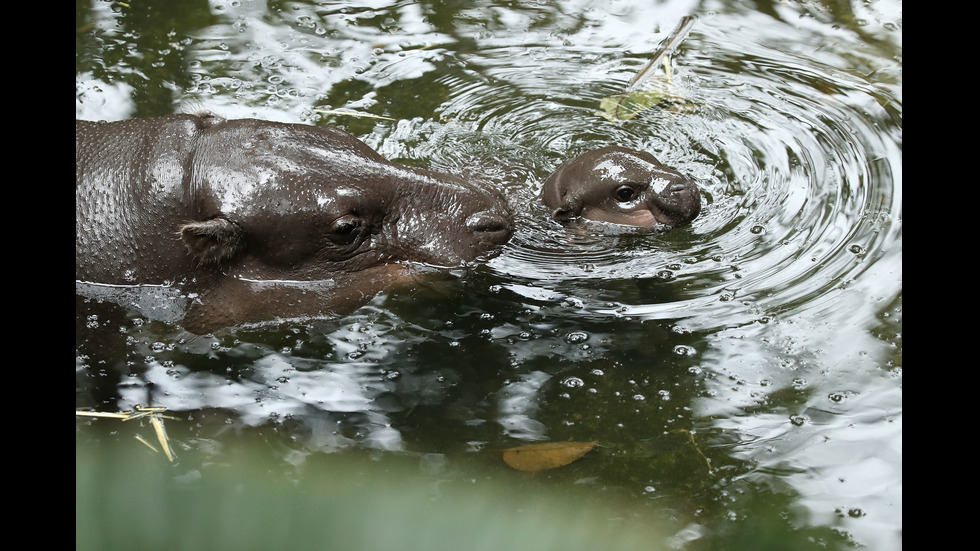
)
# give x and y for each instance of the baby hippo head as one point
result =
(621, 186)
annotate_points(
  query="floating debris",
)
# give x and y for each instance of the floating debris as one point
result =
(643, 92)
(352, 114)
(540, 457)
(156, 417)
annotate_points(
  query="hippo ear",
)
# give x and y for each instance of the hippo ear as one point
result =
(569, 206)
(562, 214)
(212, 241)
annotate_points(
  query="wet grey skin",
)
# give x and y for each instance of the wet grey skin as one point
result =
(621, 186)
(230, 207)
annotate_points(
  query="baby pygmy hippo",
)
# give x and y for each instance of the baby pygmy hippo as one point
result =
(621, 186)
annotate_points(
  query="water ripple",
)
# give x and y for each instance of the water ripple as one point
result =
(800, 163)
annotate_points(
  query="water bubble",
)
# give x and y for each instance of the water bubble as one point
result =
(839, 396)
(576, 337)
(573, 382)
(856, 249)
(684, 350)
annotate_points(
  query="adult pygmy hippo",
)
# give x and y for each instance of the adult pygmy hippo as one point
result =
(262, 220)
(622, 186)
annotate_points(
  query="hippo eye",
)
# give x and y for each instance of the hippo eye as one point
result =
(345, 229)
(625, 193)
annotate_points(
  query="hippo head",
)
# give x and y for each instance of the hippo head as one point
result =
(273, 221)
(621, 186)
(302, 203)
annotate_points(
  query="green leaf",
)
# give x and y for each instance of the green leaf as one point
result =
(623, 107)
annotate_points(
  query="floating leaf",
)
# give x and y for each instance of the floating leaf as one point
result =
(623, 107)
(540, 457)
(644, 91)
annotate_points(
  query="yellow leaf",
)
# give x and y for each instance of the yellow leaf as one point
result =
(540, 457)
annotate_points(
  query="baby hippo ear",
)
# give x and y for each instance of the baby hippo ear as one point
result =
(567, 207)
(562, 214)
(212, 241)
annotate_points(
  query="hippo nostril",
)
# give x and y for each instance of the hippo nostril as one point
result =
(678, 188)
(491, 225)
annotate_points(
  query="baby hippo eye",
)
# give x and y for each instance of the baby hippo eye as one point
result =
(345, 230)
(625, 193)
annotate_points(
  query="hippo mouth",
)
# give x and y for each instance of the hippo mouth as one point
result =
(490, 231)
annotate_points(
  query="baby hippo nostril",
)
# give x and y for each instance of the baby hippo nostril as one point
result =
(490, 225)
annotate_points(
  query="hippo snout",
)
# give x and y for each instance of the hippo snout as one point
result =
(489, 231)
(681, 201)
(491, 227)
(679, 189)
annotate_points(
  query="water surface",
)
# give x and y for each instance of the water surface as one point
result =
(743, 375)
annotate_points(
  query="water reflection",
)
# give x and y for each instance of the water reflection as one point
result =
(768, 333)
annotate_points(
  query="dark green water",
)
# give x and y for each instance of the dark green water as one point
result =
(743, 375)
